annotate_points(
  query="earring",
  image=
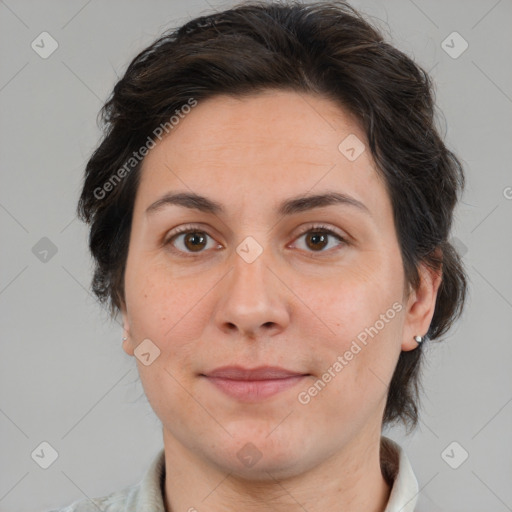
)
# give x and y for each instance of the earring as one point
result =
(418, 339)
(124, 338)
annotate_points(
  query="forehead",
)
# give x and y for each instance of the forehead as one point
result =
(262, 147)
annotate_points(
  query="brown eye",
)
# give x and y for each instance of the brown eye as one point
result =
(195, 241)
(316, 240)
(189, 241)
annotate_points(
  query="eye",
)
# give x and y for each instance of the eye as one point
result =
(190, 239)
(317, 238)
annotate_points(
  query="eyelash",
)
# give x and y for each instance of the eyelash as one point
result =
(318, 229)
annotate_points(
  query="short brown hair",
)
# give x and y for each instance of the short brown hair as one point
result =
(324, 48)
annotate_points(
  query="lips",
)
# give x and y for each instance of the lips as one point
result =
(253, 385)
(260, 373)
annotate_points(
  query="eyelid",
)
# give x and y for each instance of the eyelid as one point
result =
(322, 227)
(184, 229)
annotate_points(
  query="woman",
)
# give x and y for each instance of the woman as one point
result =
(269, 212)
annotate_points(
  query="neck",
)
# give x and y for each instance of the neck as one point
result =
(193, 483)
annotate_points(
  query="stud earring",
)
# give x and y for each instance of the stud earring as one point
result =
(418, 339)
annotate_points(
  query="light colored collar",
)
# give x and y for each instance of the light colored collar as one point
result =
(397, 469)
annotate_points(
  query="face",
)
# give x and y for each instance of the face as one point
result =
(315, 289)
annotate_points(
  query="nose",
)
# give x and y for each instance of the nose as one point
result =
(253, 300)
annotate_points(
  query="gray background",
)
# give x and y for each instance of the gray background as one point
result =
(64, 378)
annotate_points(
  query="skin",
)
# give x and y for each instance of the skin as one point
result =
(299, 305)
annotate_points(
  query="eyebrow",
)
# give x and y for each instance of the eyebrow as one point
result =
(288, 207)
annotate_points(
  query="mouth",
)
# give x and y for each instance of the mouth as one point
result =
(252, 385)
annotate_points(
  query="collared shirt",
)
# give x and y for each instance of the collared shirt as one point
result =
(148, 495)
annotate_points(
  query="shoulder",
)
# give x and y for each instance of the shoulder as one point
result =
(147, 494)
(114, 502)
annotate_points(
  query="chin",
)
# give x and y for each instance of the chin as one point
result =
(258, 458)
(265, 470)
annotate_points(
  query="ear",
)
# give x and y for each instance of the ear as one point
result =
(421, 305)
(128, 342)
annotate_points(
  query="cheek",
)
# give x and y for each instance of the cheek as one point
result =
(159, 301)
(365, 315)
(356, 296)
